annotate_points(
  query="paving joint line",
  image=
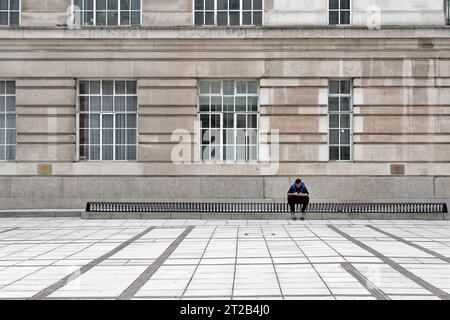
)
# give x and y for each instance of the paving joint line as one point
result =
(311, 264)
(235, 260)
(366, 283)
(31, 245)
(199, 262)
(74, 275)
(10, 229)
(412, 244)
(40, 267)
(91, 244)
(425, 238)
(408, 274)
(43, 267)
(376, 292)
(273, 264)
(132, 289)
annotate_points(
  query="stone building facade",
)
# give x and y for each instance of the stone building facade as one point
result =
(223, 100)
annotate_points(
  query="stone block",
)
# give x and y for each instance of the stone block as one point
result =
(368, 189)
(292, 82)
(70, 214)
(301, 152)
(166, 187)
(216, 216)
(402, 153)
(155, 215)
(125, 215)
(46, 83)
(295, 123)
(33, 214)
(5, 187)
(397, 216)
(312, 216)
(105, 187)
(245, 216)
(168, 5)
(290, 96)
(166, 152)
(46, 97)
(36, 187)
(170, 19)
(336, 216)
(99, 216)
(8, 215)
(427, 216)
(367, 216)
(43, 124)
(276, 216)
(186, 215)
(85, 215)
(442, 188)
(276, 187)
(426, 123)
(172, 96)
(45, 152)
(168, 124)
(180, 82)
(231, 187)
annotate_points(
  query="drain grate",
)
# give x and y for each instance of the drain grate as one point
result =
(265, 207)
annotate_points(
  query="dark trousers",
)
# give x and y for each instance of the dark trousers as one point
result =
(293, 200)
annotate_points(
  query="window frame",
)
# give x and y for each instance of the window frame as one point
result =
(9, 16)
(95, 25)
(235, 128)
(350, 113)
(241, 10)
(77, 119)
(339, 10)
(5, 129)
(447, 12)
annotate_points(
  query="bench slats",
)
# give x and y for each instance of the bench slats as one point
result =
(265, 207)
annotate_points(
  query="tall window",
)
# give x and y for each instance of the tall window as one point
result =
(9, 12)
(107, 120)
(228, 12)
(228, 114)
(7, 120)
(340, 118)
(447, 11)
(339, 12)
(108, 12)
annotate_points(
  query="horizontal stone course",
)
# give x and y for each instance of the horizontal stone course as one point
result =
(251, 216)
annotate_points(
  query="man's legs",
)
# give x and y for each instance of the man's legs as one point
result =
(292, 201)
(304, 202)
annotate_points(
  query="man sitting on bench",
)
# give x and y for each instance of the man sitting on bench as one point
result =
(298, 194)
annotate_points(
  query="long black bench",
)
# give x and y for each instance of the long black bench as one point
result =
(204, 207)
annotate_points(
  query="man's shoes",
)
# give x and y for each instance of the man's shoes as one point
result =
(302, 218)
(294, 218)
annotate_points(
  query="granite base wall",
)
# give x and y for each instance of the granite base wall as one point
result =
(74, 192)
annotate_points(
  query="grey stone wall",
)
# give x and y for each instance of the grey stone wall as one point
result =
(74, 192)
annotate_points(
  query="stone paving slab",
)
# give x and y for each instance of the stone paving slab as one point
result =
(224, 259)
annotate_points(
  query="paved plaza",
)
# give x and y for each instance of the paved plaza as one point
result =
(70, 258)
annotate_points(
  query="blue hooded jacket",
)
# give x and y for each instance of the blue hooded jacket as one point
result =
(302, 189)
